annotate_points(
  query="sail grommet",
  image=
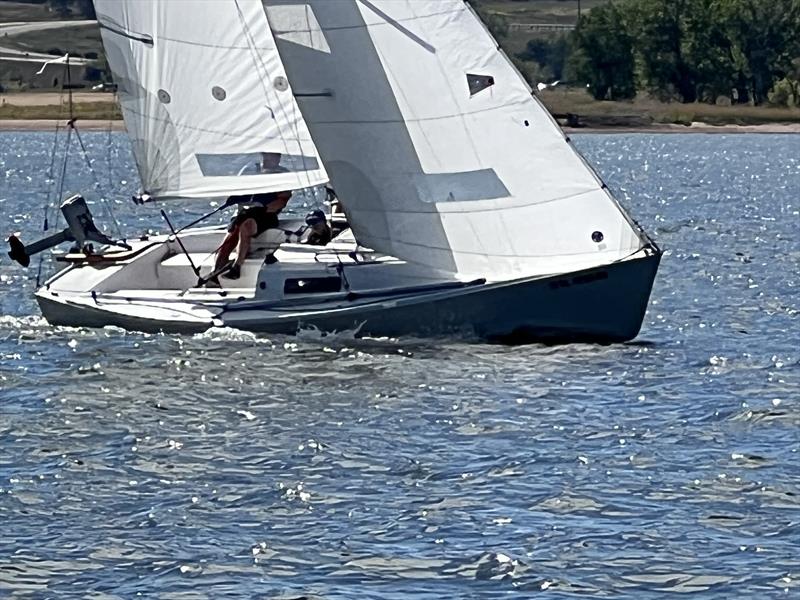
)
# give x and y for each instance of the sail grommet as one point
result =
(281, 83)
(597, 237)
(164, 97)
(219, 93)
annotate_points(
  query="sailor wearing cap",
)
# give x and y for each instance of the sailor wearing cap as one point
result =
(319, 233)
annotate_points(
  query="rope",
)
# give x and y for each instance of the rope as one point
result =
(50, 181)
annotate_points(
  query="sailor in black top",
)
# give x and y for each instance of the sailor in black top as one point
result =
(250, 222)
(255, 208)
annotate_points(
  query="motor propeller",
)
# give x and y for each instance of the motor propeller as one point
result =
(17, 250)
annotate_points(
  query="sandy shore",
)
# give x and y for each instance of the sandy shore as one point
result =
(54, 98)
(693, 128)
(103, 125)
(50, 124)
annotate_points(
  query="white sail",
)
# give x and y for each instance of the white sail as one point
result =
(205, 98)
(435, 144)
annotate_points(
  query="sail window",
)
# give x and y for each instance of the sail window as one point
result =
(312, 285)
(478, 83)
(462, 186)
(254, 163)
(218, 93)
(114, 27)
(164, 97)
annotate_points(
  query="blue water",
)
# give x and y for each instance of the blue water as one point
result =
(227, 465)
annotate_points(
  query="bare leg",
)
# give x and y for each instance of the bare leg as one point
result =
(227, 246)
(246, 231)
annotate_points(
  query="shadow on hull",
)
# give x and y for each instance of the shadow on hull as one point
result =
(605, 304)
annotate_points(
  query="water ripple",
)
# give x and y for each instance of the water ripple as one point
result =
(319, 466)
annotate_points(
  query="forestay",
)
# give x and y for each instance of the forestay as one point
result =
(205, 98)
(435, 144)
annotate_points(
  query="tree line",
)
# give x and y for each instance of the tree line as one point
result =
(738, 51)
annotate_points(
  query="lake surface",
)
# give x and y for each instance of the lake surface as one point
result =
(228, 465)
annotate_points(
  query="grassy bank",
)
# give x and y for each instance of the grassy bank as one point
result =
(543, 12)
(646, 112)
(83, 110)
(78, 41)
(563, 12)
(11, 12)
(640, 113)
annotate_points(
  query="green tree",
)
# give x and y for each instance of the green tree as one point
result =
(785, 92)
(707, 51)
(60, 7)
(660, 29)
(550, 54)
(85, 8)
(602, 54)
(764, 42)
(689, 50)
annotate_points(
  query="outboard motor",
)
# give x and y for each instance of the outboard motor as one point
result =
(80, 229)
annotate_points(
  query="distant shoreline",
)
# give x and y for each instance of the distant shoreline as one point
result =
(50, 124)
(40, 111)
(119, 125)
(693, 128)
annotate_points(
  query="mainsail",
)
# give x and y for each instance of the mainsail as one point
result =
(205, 98)
(435, 144)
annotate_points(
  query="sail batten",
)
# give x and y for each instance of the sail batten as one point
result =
(138, 37)
(435, 144)
(205, 98)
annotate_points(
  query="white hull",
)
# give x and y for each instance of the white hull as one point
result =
(378, 296)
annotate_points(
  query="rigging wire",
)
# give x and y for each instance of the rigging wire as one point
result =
(50, 174)
(50, 200)
(103, 200)
(70, 127)
(72, 124)
(259, 61)
(63, 170)
(50, 181)
(108, 140)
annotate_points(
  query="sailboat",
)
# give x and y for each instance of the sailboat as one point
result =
(470, 212)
